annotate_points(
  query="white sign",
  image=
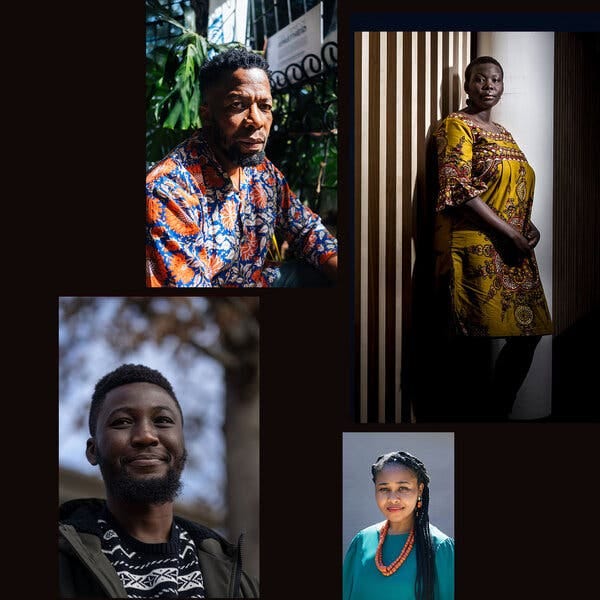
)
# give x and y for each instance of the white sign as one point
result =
(292, 43)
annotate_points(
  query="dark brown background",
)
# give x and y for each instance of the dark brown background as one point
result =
(526, 496)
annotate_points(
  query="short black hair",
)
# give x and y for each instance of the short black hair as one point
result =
(228, 62)
(127, 373)
(481, 60)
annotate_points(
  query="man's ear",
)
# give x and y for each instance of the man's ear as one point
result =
(90, 451)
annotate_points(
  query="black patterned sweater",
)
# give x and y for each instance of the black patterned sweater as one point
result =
(167, 570)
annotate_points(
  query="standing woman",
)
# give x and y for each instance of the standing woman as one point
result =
(485, 198)
(403, 557)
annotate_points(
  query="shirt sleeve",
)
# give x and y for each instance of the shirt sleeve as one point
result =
(302, 228)
(174, 248)
(455, 155)
(348, 568)
(444, 566)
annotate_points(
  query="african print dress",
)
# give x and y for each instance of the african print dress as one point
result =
(494, 291)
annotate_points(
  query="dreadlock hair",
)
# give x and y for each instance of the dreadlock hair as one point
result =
(424, 583)
(127, 373)
(228, 62)
(480, 60)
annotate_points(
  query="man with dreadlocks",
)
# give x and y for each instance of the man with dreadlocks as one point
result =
(403, 557)
(132, 545)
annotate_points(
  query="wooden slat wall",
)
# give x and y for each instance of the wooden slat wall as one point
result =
(404, 83)
(576, 226)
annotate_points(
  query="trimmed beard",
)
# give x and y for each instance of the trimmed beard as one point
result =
(151, 490)
(232, 152)
(249, 160)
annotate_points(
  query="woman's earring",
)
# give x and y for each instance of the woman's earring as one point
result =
(419, 505)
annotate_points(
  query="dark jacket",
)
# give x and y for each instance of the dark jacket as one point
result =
(85, 572)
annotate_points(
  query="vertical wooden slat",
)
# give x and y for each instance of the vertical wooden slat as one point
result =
(427, 91)
(445, 94)
(435, 78)
(420, 126)
(390, 243)
(466, 58)
(398, 225)
(365, 229)
(382, 161)
(373, 244)
(451, 59)
(455, 72)
(361, 66)
(460, 36)
(406, 195)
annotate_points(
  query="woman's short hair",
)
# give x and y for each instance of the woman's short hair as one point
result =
(481, 60)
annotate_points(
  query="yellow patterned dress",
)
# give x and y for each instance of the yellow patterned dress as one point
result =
(493, 291)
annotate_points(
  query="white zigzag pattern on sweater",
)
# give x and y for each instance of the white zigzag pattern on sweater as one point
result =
(167, 580)
(149, 580)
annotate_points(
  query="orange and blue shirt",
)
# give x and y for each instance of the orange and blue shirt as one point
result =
(202, 232)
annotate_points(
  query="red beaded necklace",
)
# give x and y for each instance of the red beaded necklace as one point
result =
(392, 568)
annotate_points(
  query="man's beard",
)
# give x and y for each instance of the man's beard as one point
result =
(150, 490)
(249, 160)
(232, 152)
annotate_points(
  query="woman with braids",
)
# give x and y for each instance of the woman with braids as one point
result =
(403, 557)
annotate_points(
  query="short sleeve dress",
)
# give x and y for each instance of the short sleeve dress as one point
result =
(363, 581)
(493, 291)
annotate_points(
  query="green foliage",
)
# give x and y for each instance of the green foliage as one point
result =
(304, 145)
(173, 86)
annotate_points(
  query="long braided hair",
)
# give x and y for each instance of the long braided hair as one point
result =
(424, 582)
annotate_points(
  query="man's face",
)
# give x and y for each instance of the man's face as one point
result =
(139, 444)
(237, 117)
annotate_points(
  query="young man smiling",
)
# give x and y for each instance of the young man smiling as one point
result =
(132, 545)
(215, 201)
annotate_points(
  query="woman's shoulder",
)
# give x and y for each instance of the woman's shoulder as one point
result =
(371, 530)
(438, 537)
(368, 535)
(453, 121)
(366, 538)
(457, 116)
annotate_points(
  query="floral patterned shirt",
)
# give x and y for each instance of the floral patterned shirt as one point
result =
(201, 232)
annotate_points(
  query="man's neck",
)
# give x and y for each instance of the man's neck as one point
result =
(148, 523)
(228, 166)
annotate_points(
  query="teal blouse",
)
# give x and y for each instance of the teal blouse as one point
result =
(363, 581)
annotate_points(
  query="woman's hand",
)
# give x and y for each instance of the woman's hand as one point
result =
(520, 242)
(532, 235)
(488, 216)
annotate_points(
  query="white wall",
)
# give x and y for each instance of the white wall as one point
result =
(360, 450)
(526, 110)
